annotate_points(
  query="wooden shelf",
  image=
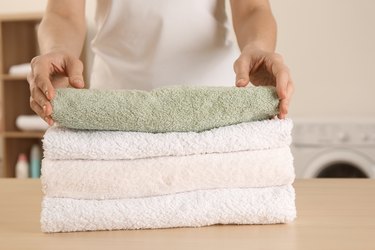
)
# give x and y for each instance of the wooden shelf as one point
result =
(18, 45)
(34, 16)
(14, 77)
(23, 134)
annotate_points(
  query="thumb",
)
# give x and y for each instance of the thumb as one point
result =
(74, 71)
(242, 70)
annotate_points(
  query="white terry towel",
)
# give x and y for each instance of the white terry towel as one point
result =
(90, 179)
(31, 123)
(66, 144)
(268, 205)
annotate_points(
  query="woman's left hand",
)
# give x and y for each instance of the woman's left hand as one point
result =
(265, 68)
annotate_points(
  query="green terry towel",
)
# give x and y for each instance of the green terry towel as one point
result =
(168, 109)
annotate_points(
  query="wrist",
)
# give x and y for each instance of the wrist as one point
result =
(62, 50)
(256, 46)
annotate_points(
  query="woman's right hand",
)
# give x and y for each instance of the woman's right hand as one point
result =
(50, 71)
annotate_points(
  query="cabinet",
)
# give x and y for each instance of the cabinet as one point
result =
(18, 44)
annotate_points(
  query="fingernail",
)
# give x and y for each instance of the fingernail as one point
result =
(46, 93)
(238, 82)
(49, 121)
(78, 82)
(44, 108)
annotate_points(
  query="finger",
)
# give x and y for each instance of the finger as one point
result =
(40, 71)
(41, 100)
(282, 78)
(39, 111)
(74, 71)
(290, 88)
(276, 66)
(284, 103)
(242, 69)
(283, 108)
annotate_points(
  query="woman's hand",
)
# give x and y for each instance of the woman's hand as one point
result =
(49, 71)
(265, 68)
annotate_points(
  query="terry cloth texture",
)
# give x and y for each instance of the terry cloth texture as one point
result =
(96, 179)
(268, 205)
(70, 144)
(169, 109)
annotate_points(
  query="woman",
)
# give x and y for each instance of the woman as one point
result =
(144, 44)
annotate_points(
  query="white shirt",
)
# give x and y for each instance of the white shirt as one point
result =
(143, 44)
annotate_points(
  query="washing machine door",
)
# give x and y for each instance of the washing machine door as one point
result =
(340, 163)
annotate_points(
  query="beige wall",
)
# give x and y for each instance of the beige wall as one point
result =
(328, 44)
(330, 47)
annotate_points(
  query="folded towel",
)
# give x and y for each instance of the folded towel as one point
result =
(95, 179)
(70, 144)
(20, 69)
(169, 109)
(31, 123)
(192, 209)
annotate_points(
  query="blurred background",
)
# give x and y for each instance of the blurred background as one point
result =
(328, 45)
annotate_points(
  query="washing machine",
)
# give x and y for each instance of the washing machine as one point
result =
(334, 148)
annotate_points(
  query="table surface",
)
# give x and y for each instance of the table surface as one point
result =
(332, 214)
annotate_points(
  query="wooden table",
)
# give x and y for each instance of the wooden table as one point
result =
(332, 214)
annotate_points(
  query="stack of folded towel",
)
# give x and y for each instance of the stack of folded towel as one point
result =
(172, 157)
